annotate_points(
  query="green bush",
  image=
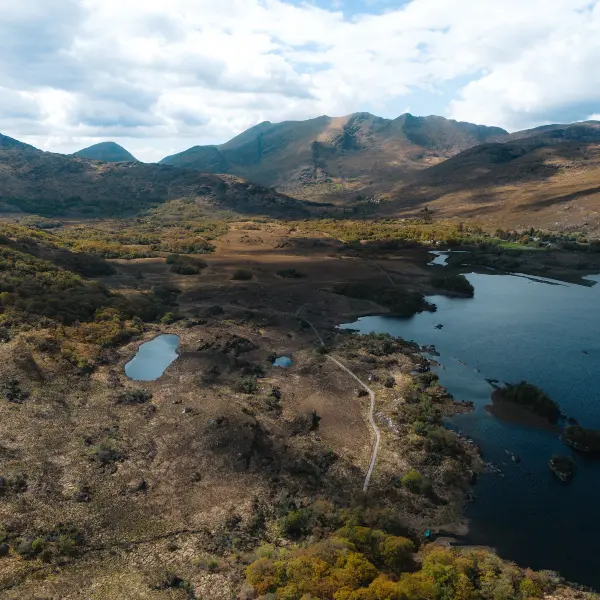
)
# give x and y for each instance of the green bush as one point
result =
(296, 523)
(413, 481)
(185, 265)
(246, 385)
(396, 553)
(38, 545)
(169, 318)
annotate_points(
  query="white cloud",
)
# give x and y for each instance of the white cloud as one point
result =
(161, 76)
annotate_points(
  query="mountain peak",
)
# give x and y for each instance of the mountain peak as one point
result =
(106, 152)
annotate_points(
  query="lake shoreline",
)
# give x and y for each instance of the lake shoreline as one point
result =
(519, 501)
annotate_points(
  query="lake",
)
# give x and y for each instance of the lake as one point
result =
(153, 358)
(548, 333)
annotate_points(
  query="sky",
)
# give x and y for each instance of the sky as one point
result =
(159, 76)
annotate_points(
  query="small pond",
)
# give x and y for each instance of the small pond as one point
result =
(283, 361)
(441, 257)
(153, 358)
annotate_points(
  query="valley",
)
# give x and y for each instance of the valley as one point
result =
(229, 476)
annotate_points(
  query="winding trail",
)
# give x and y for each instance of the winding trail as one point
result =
(371, 396)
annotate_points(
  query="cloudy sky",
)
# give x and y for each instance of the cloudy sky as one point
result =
(159, 76)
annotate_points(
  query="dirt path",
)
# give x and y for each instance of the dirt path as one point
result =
(371, 420)
(371, 396)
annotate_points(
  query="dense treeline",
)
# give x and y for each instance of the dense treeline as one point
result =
(402, 303)
(40, 280)
(399, 233)
(458, 284)
(358, 562)
(179, 226)
(412, 230)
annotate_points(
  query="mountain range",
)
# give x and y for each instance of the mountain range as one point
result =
(329, 157)
(50, 184)
(545, 177)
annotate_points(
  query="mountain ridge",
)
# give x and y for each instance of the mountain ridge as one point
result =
(549, 178)
(50, 184)
(314, 157)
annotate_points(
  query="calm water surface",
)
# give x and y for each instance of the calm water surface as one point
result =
(153, 358)
(547, 333)
(283, 361)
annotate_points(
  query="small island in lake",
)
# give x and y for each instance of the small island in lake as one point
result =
(457, 284)
(529, 398)
(584, 440)
(562, 466)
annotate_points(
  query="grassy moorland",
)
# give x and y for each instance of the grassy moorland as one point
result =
(227, 477)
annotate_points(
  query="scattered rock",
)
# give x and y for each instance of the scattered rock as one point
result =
(107, 456)
(563, 467)
(84, 494)
(196, 477)
(137, 486)
(12, 392)
(18, 483)
(305, 423)
(430, 350)
(133, 397)
(494, 383)
(218, 422)
(194, 323)
(439, 326)
(361, 393)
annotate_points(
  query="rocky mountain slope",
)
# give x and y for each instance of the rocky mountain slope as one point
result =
(106, 152)
(545, 177)
(57, 185)
(327, 157)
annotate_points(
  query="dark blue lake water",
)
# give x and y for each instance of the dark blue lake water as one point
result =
(153, 358)
(518, 329)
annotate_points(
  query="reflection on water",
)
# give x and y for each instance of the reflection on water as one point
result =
(153, 358)
(517, 328)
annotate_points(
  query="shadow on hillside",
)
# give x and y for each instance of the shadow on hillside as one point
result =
(566, 197)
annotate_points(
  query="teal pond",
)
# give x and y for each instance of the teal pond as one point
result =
(153, 358)
(283, 361)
